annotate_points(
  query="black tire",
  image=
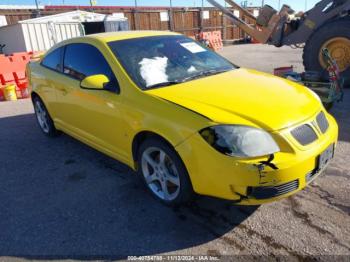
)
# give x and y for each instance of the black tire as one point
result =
(332, 29)
(185, 193)
(49, 129)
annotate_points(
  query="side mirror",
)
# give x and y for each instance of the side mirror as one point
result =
(94, 82)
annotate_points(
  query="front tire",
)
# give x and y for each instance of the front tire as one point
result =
(335, 36)
(43, 118)
(163, 172)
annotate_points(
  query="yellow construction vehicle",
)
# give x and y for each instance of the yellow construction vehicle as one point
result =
(326, 25)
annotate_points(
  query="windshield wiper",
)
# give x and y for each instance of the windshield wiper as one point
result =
(206, 73)
(200, 75)
(167, 83)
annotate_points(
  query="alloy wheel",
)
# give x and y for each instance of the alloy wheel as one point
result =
(160, 173)
(42, 116)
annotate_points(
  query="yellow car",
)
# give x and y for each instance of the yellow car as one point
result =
(186, 119)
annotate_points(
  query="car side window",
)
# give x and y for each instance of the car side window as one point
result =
(82, 60)
(53, 60)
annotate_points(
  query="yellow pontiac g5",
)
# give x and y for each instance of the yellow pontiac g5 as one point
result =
(185, 118)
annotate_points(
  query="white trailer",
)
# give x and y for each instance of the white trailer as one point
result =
(25, 37)
(39, 34)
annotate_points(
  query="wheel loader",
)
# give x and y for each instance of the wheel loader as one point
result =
(326, 25)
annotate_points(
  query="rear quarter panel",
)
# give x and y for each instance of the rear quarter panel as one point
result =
(40, 83)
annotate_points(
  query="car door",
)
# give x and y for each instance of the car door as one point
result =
(46, 78)
(92, 115)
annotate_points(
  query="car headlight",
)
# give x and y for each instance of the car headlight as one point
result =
(240, 141)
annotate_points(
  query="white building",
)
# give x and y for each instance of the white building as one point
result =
(39, 34)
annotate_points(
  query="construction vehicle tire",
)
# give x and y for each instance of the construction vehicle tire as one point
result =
(335, 36)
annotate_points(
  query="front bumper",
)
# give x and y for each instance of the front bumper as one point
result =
(240, 180)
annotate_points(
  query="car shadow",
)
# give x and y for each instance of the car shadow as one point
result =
(60, 199)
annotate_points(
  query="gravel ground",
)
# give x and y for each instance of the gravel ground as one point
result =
(61, 199)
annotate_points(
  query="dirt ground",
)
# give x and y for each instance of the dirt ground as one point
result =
(60, 199)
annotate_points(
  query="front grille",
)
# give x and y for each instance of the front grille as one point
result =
(304, 134)
(322, 122)
(274, 191)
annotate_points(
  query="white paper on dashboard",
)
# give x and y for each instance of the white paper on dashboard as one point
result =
(193, 47)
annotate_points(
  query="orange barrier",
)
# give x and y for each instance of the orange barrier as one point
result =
(212, 39)
(12, 71)
(2, 95)
(206, 35)
(217, 40)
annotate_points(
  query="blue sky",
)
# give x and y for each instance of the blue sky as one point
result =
(296, 4)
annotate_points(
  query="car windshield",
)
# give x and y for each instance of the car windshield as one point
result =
(167, 60)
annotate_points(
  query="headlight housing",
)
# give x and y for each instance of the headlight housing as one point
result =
(240, 141)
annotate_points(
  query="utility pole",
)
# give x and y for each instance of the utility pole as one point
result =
(262, 3)
(305, 5)
(201, 17)
(171, 16)
(136, 17)
(37, 8)
(279, 5)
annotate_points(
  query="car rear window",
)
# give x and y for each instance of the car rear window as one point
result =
(53, 60)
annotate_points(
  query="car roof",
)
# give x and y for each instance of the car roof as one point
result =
(122, 35)
(112, 36)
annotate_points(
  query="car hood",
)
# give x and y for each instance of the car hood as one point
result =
(267, 101)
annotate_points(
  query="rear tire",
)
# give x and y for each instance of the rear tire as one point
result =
(339, 28)
(163, 172)
(43, 118)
